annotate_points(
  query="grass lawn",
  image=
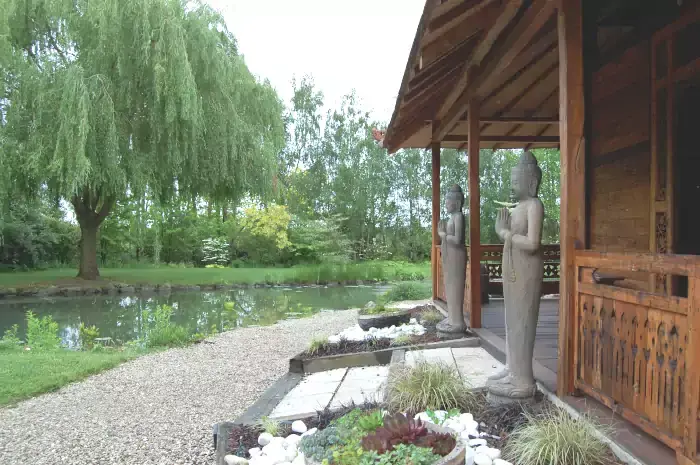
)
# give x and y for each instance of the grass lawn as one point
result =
(24, 374)
(152, 275)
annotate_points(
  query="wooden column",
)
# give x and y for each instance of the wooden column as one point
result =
(436, 214)
(474, 216)
(573, 201)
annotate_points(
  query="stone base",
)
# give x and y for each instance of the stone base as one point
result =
(446, 327)
(450, 336)
(497, 400)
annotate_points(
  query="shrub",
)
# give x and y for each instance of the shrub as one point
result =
(88, 334)
(317, 344)
(160, 331)
(431, 317)
(401, 340)
(556, 438)
(428, 386)
(407, 291)
(42, 333)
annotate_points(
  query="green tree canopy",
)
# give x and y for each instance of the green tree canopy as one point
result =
(104, 97)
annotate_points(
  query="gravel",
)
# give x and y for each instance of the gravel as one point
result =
(160, 408)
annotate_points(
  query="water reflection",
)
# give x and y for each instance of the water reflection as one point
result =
(120, 317)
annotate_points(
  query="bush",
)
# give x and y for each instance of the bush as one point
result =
(428, 386)
(431, 317)
(88, 334)
(42, 333)
(10, 340)
(556, 438)
(407, 291)
(160, 331)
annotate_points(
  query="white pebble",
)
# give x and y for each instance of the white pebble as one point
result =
(300, 460)
(501, 462)
(291, 454)
(482, 459)
(293, 439)
(470, 433)
(423, 417)
(469, 456)
(471, 425)
(235, 460)
(309, 432)
(456, 426)
(255, 451)
(477, 442)
(261, 460)
(299, 427)
(482, 450)
(466, 418)
(264, 439)
(493, 453)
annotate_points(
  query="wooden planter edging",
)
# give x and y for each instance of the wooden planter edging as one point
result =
(300, 365)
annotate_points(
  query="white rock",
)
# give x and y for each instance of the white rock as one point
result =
(493, 453)
(471, 426)
(264, 439)
(333, 339)
(465, 435)
(501, 462)
(469, 456)
(300, 460)
(466, 418)
(235, 460)
(291, 454)
(454, 425)
(423, 417)
(309, 432)
(255, 451)
(293, 439)
(299, 427)
(413, 321)
(482, 459)
(276, 457)
(482, 450)
(281, 442)
(477, 442)
(470, 433)
(261, 460)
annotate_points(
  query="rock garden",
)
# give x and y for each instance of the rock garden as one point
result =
(429, 416)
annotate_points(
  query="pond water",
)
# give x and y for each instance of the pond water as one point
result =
(120, 317)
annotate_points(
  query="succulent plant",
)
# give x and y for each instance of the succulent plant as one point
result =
(397, 429)
(441, 443)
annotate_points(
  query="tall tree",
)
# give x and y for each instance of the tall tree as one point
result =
(105, 96)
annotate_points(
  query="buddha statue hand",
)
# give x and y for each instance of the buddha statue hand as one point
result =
(503, 223)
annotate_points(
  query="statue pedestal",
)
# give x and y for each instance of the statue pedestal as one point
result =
(446, 328)
(497, 400)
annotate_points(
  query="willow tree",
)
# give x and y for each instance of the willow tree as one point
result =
(104, 97)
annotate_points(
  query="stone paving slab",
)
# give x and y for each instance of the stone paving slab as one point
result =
(313, 393)
(361, 384)
(475, 365)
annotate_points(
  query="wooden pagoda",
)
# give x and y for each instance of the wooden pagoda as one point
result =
(614, 85)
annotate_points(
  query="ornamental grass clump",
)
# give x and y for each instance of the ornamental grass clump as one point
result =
(428, 386)
(556, 438)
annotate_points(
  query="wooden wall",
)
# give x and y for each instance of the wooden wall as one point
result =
(620, 152)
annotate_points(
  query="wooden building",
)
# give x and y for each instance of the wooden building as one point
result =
(615, 85)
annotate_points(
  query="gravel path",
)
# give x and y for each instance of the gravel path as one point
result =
(160, 408)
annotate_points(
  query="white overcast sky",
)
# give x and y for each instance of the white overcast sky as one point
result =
(342, 44)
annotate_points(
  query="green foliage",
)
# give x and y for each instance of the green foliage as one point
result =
(269, 425)
(160, 331)
(376, 310)
(407, 291)
(318, 446)
(403, 454)
(10, 340)
(428, 386)
(431, 317)
(262, 233)
(215, 253)
(371, 421)
(556, 438)
(88, 334)
(319, 240)
(401, 340)
(42, 333)
(397, 429)
(317, 343)
(441, 419)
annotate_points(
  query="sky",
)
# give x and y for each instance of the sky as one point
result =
(343, 45)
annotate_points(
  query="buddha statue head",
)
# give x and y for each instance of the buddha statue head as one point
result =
(454, 200)
(525, 177)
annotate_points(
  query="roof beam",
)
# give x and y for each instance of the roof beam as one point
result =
(500, 57)
(505, 139)
(544, 101)
(520, 120)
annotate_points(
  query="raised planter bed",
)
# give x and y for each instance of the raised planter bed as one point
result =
(386, 319)
(304, 364)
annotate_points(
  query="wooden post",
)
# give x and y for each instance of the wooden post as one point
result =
(436, 214)
(692, 364)
(474, 216)
(573, 201)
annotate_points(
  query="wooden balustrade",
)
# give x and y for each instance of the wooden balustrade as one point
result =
(638, 352)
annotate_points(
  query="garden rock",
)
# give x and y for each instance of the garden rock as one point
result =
(299, 427)
(477, 442)
(235, 460)
(469, 456)
(482, 459)
(310, 432)
(255, 451)
(264, 439)
(501, 462)
(293, 439)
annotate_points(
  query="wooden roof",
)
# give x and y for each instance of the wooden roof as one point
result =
(503, 52)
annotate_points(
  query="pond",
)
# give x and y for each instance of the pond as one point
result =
(120, 317)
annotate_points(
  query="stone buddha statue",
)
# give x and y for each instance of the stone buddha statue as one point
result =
(523, 269)
(454, 261)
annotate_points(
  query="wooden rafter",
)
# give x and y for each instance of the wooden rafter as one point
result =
(439, 39)
(505, 139)
(521, 120)
(542, 103)
(500, 57)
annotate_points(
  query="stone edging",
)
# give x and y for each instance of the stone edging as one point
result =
(147, 289)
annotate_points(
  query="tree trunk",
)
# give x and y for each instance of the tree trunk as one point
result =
(91, 209)
(88, 252)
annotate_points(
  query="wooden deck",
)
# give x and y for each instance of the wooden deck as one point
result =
(493, 319)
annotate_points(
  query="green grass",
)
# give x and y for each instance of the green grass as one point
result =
(407, 291)
(153, 275)
(24, 374)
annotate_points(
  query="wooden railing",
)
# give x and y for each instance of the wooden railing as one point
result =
(638, 352)
(492, 257)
